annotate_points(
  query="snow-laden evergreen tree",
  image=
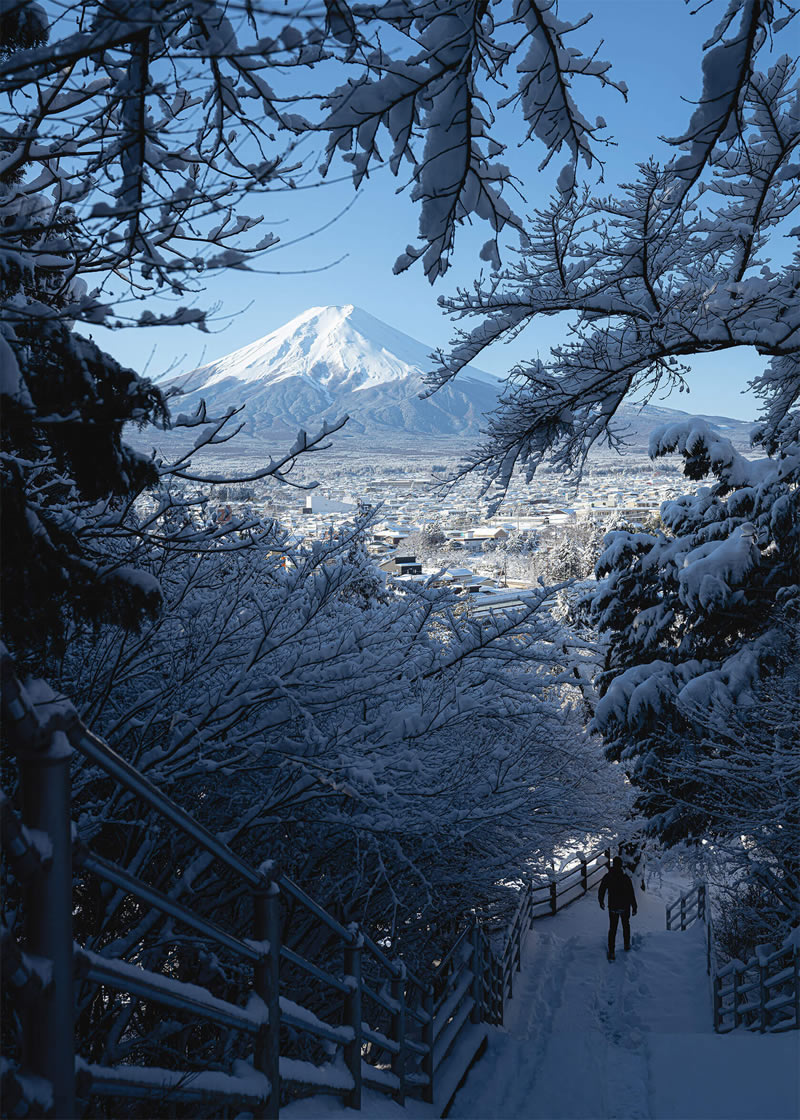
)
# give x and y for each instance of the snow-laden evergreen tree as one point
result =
(519, 542)
(426, 543)
(662, 272)
(563, 560)
(702, 621)
(64, 403)
(68, 477)
(698, 256)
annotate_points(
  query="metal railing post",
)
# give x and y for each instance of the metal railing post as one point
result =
(266, 981)
(398, 1032)
(709, 941)
(352, 1015)
(716, 1002)
(48, 1032)
(476, 1015)
(531, 917)
(735, 982)
(499, 991)
(554, 897)
(584, 876)
(427, 1038)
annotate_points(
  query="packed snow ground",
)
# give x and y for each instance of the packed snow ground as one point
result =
(590, 1039)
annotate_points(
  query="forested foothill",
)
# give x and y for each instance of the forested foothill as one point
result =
(405, 763)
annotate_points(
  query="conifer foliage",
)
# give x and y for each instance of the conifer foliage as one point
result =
(64, 406)
(694, 257)
(651, 277)
(702, 621)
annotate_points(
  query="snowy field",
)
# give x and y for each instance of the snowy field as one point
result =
(589, 1039)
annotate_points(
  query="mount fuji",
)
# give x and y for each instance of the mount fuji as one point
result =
(331, 361)
(334, 361)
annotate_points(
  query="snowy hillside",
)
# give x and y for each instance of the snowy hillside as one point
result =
(331, 361)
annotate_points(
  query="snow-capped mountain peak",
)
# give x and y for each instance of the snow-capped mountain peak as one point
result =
(337, 360)
(337, 348)
(329, 361)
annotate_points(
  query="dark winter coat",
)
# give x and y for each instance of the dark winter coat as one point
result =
(621, 895)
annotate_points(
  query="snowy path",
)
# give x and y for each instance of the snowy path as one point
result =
(590, 1039)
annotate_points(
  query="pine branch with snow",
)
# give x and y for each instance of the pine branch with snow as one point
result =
(701, 620)
(649, 279)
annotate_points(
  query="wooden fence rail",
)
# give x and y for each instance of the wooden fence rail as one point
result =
(688, 908)
(762, 993)
(394, 1031)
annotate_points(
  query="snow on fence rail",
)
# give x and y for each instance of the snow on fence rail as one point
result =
(761, 994)
(384, 1032)
(396, 1033)
(689, 908)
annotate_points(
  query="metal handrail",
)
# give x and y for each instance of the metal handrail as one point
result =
(45, 730)
(109, 872)
(485, 978)
(730, 1013)
(314, 970)
(693, 905)
(690, 906)
(449, 954)
(130, 778)
(348, 935)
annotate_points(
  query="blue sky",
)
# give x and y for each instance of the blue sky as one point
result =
(655, 47)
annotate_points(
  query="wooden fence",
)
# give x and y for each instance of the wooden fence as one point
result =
(762, 993)
(394, 1032)
(687, 909)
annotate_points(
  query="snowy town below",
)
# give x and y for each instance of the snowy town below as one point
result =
(424, 526)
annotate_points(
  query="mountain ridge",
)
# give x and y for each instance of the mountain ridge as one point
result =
(340, 360)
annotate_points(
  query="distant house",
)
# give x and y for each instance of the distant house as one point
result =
(463, 579)
(401, 566)
(493, 601)
(455, 575)
(318, 504)
(392, 534)
(479, 536)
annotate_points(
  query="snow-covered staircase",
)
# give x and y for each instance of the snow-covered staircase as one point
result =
(380, 1027)
(567, 1033)
(585, 1037)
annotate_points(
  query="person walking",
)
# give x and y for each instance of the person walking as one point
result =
(621, 903)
